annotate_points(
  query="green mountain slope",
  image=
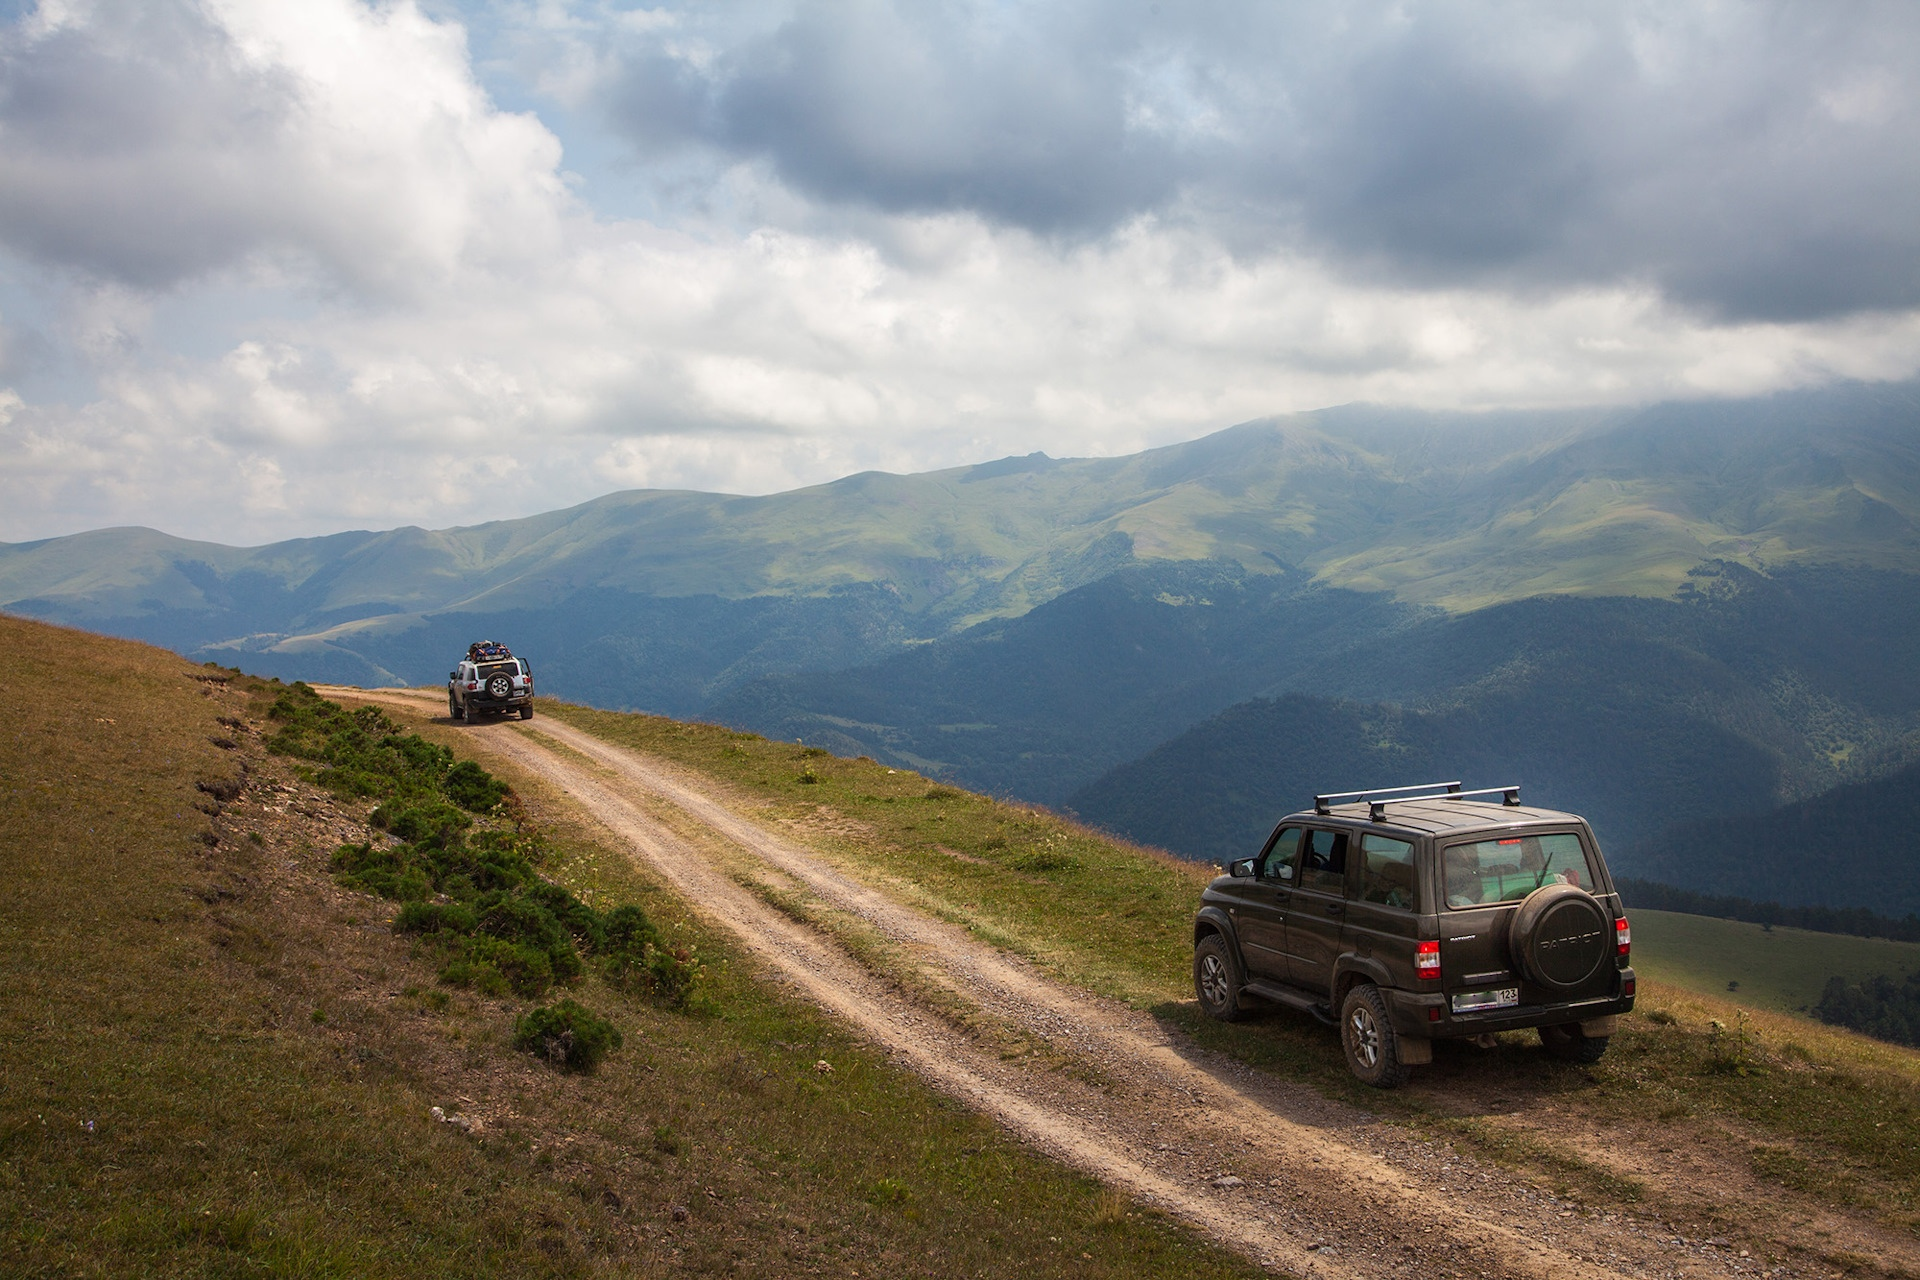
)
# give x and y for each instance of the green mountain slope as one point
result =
(1459, 511)
(1638, 713)
(1854, 846)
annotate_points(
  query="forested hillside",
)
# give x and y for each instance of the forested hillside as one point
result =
(1637, 713)
(1854, 846)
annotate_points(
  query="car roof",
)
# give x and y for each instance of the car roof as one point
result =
(1440, 815)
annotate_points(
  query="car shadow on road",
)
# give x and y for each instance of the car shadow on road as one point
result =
(1303, 1075)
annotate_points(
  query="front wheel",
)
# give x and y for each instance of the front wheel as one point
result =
(1214, 980)
(1373, 1049)
(453, 709)
(1570, 1044)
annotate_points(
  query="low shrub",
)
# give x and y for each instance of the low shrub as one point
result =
(669, 976)
(436, 917)
(567, 1035)
(471, 787)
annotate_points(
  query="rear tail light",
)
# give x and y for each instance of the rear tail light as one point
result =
(473, 684)
(1426, 959)
(1622, 937)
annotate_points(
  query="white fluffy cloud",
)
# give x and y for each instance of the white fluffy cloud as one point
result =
(278, 269)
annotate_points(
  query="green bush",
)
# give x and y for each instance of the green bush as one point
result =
(668, 976)
(436, 917)
(471, 787)
(435, 825)
(627, 928)
(567, 1035)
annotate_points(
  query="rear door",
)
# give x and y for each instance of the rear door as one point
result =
(1383, 910)
(1319, 909)
(1484, 879)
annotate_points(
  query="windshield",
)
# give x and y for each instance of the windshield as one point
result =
(1508, 869)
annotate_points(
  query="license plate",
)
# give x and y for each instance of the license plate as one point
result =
(1474, 1001)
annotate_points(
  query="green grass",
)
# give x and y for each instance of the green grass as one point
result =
(1782, 969)
(200, 1077)
(1107, 915)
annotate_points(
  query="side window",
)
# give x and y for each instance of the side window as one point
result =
(1282, 856)
(1324, 862)
(1386, 871)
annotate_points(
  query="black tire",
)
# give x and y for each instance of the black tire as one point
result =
(1216, 979)
(1373, 1049)
(526, 713)
(499, 687)
(1570, 1044)
(454, 710)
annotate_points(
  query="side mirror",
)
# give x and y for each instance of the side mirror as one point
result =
(453, 675)
(1242, 869)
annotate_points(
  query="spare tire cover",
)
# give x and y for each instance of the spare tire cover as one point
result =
(1561, 936)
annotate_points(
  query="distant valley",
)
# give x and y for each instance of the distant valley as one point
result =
(1657, 617)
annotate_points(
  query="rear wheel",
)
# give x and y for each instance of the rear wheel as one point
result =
(1373, 1050)
(1215, 980)
(526, 713)
(1570, 1044)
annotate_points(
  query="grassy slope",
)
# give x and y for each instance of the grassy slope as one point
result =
(1782, 969)
(1833, 1112)
(200, 1075)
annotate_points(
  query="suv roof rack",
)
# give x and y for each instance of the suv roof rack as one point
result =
(1378, 798)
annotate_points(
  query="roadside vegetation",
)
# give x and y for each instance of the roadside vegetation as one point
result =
(484, 915)
(1881, 1006)
(217, 1060)
(1834, 1114)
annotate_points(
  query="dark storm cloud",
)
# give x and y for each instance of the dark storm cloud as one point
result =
(1753, 161)
(126, 145)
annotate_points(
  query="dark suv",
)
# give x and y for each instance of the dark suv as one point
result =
(1415, 914)
(490, 680)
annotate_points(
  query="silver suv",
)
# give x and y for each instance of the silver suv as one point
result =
(490, 681)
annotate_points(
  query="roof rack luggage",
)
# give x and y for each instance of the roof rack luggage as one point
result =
(1378, 798)
(488, 651)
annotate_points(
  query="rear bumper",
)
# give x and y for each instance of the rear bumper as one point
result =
(481, 702)
(1416, 1013)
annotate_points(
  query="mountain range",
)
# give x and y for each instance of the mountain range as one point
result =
(1658, 616)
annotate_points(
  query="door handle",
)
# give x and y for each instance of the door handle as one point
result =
(1335, 908)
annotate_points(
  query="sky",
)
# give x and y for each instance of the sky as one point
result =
(274, 269)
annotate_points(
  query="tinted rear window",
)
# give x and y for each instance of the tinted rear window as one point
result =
(499, 669)
(1508, 869)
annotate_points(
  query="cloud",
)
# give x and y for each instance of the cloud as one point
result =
(306, 273)
(154, 142)
(1754, 161)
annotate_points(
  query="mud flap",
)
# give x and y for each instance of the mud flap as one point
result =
(1598, 1028)
(1415, 1051)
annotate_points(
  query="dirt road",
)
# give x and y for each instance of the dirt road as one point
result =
(1274, 1170)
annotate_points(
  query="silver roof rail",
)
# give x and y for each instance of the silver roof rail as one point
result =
(1378, 798)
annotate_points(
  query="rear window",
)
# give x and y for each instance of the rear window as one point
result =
(1508, 869)
(499, 669)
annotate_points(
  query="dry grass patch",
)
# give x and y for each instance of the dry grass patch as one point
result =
(215, 1060)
